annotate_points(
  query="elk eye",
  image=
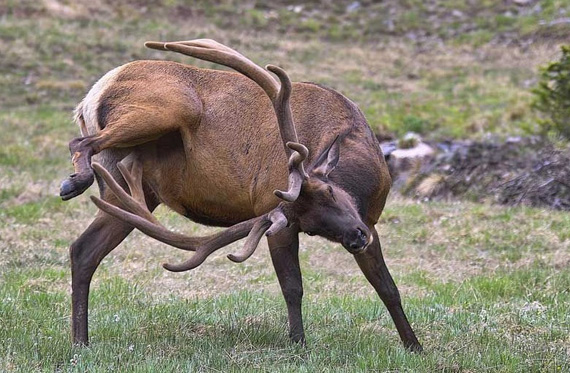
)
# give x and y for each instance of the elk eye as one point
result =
(310, 233)
(330, 189)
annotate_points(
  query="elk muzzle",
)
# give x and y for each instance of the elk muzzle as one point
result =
(357, 239)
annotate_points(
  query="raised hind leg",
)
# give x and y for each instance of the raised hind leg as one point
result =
(144, 121)
(122, 134)
(372, 263)
(98, 240)
(81, 153)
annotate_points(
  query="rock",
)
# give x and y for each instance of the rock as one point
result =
(559, 21)
(295, 8)
(387, 148)
(405, 164)
(353, 6)
(422, 150)
(457, 13)
(522, 2)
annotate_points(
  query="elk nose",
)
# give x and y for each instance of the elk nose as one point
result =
(358, 240)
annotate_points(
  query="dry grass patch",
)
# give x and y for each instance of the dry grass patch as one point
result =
(423, 244)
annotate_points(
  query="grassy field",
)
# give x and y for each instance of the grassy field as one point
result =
(486, 288)
(439, 87)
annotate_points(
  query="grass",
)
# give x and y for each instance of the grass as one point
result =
(443, 90)
(481, 295)
(485, 287)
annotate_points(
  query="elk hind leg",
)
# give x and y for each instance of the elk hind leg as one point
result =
(117, 135)
(98, 240)
(83, 177)
(372, 264)
(130, 129)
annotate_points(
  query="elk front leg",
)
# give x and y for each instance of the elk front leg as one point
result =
(284, 249)
(371, 262)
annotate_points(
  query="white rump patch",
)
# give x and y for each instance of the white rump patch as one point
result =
(91, 101)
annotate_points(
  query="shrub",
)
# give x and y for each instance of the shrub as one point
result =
(415, 124)
(552, 96)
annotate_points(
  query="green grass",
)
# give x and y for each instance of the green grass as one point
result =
(460, 88)
(475, 22)
(481, 294)
(508, 323)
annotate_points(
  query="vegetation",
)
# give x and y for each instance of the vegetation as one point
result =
(552, 96)
(485, 287)
(441, 86)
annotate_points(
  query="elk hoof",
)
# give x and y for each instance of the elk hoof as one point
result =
(298, 339)
(75, 184)
(415, 347)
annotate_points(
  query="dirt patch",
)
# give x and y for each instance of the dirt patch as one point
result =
(518, 171)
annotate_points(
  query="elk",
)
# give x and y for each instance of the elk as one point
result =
(218, 147)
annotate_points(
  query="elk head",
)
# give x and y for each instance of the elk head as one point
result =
(325, 209)
(312, 202)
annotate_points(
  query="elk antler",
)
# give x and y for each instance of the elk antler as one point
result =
(137, 214)
(211, 50)
(299, 152)
(271, 224)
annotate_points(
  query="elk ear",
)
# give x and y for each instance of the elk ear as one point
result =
(328, 159)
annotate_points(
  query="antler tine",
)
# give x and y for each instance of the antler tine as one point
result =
(271, 223)
(296, 151)
(252, 241)
(297, 172)
(209, 43)
(210, 50)
(147, 227)
(203, 43)
(216, 242)
(278, 220)
(283, 108)
(133, 177)
(132, 205)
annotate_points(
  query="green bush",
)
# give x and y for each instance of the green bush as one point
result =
(552, 96)
(411, 123)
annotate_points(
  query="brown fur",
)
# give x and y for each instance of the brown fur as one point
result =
(222, 117)
(209, 146)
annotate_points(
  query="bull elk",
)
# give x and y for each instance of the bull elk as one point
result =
(208, 144)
